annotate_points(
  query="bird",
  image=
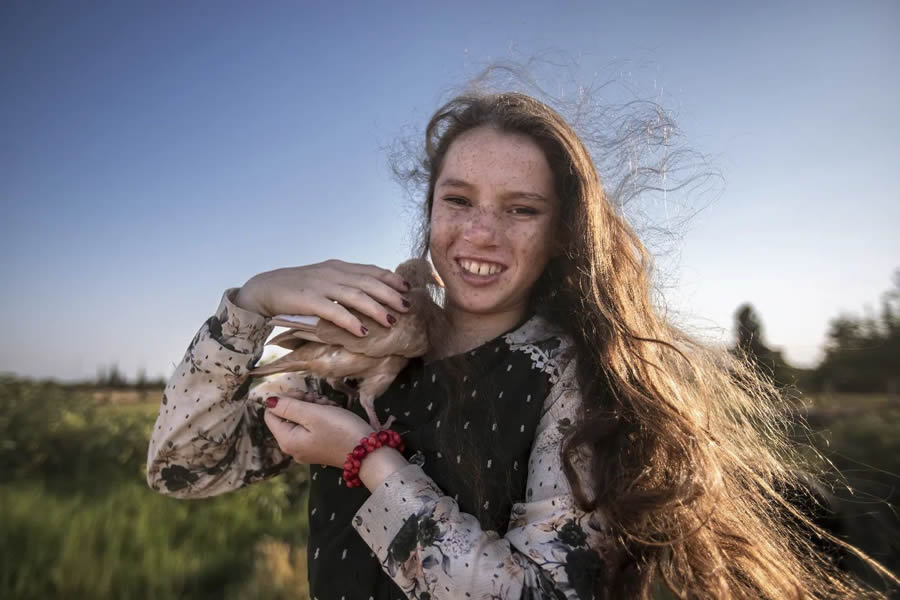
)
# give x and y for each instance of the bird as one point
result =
(319, 347)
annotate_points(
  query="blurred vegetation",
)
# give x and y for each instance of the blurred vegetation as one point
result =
(859, 435)
(78, 520)
(862, 353)
(850, 407)
(748, 331)
(112, 377)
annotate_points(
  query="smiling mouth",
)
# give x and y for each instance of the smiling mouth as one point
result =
(476, 267)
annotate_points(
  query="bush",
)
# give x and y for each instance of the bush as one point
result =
(78, 521)
(862, 441)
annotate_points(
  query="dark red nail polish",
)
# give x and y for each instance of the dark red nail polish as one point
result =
(364, 329)
(271, 401)
(405, 303)
(406, 283)
(391, 319)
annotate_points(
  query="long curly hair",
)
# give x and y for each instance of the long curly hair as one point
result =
(688, 456)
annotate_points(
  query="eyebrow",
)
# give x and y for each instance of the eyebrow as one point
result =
(452, 182)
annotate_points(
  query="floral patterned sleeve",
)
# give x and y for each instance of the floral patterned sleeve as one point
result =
(551, 549)
(210, 437)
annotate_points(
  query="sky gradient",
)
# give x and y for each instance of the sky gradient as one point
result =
(155, 154)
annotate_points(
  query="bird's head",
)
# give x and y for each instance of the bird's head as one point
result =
(419, 273)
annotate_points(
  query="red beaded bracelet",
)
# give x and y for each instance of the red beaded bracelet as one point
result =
(375, 440)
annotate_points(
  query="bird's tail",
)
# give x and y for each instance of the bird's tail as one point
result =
(305, 323)
(301, 328)
(281, 366)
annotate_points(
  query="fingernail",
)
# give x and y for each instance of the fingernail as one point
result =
(271, 401)
(391, 319)
(406, 283)
(364, 329)
(405, 303)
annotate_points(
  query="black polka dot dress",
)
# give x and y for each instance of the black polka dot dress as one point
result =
(504, 386)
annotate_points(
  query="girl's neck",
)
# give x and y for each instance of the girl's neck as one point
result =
(468, 331)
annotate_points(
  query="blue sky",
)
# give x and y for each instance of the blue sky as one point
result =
(154, 154)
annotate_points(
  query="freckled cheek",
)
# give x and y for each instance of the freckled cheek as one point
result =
(527, 242)
(444, 227)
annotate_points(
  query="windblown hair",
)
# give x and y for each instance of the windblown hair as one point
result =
(686, 448)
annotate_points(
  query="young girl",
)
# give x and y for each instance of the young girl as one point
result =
(562, 440)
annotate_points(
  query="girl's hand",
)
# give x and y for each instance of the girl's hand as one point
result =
(314, 433)
(326, 290)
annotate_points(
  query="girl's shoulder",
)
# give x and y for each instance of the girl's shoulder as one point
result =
(549, 347)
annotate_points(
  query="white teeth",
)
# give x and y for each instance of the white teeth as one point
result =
(480, 268)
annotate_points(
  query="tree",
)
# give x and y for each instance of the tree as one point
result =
(111, 377)
(141, 381)
(750, 346)
(862, 354)
(749, 332)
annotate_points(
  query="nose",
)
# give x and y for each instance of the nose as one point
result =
(483, 227)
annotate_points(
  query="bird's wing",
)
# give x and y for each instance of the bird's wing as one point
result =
(378, 377)
(322, 360)
(330, 333)
(286, 340)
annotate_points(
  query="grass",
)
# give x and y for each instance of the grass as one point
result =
(78, 520)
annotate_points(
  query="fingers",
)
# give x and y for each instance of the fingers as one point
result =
(384, 286)
(367, 289)
(288, 408)
(383, 293)
(361, 300)
(385, 276)
(329, 289)
(285, 421)
(340, 316)
(283, 430)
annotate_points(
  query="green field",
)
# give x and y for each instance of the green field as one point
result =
(78, 521)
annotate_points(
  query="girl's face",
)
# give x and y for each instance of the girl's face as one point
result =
(493, 220)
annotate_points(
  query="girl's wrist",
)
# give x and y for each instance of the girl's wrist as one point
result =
(379, 465)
